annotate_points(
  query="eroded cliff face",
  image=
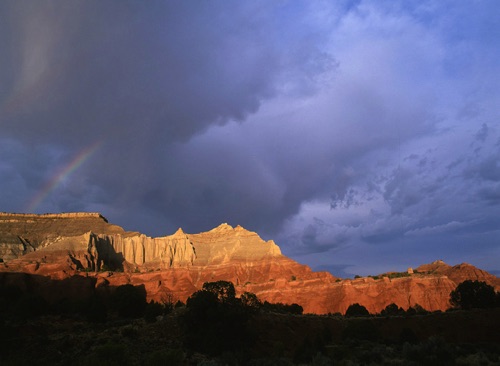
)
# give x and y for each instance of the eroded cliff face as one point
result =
(226, 244)
(171, 268)
(140, 250)
(24, 233)
(92, 252)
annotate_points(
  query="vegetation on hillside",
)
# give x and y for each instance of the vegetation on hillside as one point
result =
(474, 294)
(216, 327)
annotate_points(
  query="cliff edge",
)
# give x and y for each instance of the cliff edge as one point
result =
(62, 246)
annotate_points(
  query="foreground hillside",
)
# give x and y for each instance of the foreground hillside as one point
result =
(453, 338)
(76, 255)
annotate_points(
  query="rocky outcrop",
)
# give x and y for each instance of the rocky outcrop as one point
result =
(24, 233)
(460, 272)
(171, 268)
(226, 244)
(96, 252)
(155, 253)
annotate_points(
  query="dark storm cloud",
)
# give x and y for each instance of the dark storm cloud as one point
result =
(132, 70)
(333, 128)
(140, 76)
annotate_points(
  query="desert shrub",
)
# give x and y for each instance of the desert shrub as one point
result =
(473, 294)
(473, 359)
(356, 310)
(433, 352)
(165, 357)
(321, 360)
(130, 332)
(392, 310)
(109, 354)
(372, 354)
(311, 352)
(416, 310)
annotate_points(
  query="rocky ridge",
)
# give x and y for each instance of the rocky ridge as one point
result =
(98, 256)
(24, 233)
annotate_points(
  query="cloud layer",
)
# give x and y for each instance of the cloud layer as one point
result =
(362, 136)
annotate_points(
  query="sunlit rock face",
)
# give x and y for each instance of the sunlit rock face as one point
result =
(226, 244)
(24, 233)
(166, 252)
(171, 268)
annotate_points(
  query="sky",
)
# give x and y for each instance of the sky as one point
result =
(361, 136)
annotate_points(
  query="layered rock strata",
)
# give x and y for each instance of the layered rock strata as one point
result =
(24, 233)
(171, 268)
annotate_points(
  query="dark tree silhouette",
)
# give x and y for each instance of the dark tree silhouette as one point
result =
(356, 310)
(250, 300)
(216, 321)
(224, 290)
(416, 310)
(473, 294)
(281, 308)
(392, 310)
(201, 305)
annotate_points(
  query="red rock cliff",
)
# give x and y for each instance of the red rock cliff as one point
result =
(174, 266)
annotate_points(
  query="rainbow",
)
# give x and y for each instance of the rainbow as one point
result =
(62, 174)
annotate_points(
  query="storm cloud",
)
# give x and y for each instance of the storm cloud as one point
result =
(360, 135)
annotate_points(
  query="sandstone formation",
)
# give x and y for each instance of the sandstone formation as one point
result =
(24, 233)
(88, 254)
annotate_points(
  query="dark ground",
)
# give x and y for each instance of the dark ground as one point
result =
(451, 338)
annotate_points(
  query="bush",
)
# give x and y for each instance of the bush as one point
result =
(166, 357)
(282, 308)
(473, 294)
(416, 310)
(250, 300)
(216, 321)
(109, 354)
(392, 310)
(356, 310)
(224, 290)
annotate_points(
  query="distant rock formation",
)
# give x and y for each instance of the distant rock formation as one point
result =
(24, 233)
(63, 246)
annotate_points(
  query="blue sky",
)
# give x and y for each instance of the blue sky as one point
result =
(362, 136)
